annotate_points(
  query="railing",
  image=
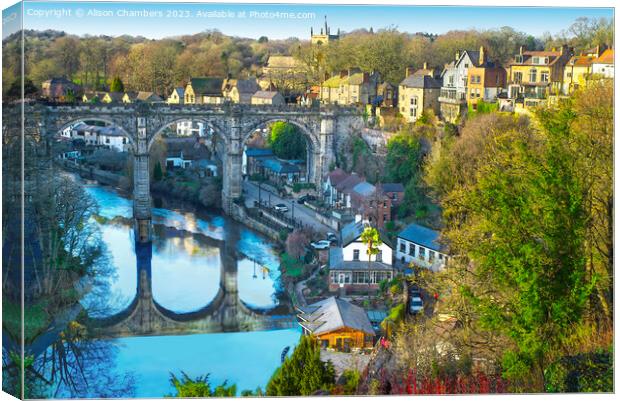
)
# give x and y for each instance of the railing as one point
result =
(451, 94)
(281, 216)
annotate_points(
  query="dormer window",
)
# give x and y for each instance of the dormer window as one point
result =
(519, 59)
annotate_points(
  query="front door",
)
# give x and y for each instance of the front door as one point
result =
(339, 344)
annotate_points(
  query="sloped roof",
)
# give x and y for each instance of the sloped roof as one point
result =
(333, 314)
(336, 176)
(258, 152)
(116, 96)
(606, 58)
(180, 91)
(421, 235)
(392, 187)
(243, 85)
(421, 81)
(280, 166)
(352, 231)
(265, 94)
(279, 61)
(336, 262)
(348, 183)
(207, 86)
(364, 189)
(148, 97)
(581, 61)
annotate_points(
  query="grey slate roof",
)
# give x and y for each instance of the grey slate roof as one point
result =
(265, 94)
(393, 187)
(258, 152)
(333, 314)
(422, 236)
(207, 86)
(280, 167)
(364, 188)
(421, 81)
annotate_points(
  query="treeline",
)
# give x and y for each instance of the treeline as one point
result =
(159, 65)
(528, 212)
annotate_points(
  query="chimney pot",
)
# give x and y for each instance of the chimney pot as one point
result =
(425, 65)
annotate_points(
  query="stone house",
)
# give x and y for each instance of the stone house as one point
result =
(141, 96)
(177, 96)
(485, 80)
(535, 75)
(418, 93)
(239, 91)
(59, 89)
(350, 87)
(267, 98)
(205, 90)
(579, 69)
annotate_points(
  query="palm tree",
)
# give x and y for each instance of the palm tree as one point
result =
(370, 236)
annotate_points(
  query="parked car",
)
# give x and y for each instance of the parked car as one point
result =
(304, 198)
(281, 207)
(320, 245)
(415, 305)
(331, 237)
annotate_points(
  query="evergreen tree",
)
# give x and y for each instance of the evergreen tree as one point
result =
(158, 174)
(200, 387)
(303, 373)
(117, 85)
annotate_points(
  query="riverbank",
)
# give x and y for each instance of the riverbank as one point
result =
(240, 213)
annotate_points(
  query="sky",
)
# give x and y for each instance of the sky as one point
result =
(280, 21)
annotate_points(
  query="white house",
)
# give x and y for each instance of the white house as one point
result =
(452, 97)
(112, 138)
(604, 65)
(349, 264)
(190, 128)
(419, 245)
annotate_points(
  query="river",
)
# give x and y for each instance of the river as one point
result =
(185, 268)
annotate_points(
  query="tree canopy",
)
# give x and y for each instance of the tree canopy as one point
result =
(286, 141)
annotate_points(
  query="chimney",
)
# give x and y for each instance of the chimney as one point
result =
(425, 67)
(520, 49)
(482, 56)
(408, 72)
(457, 56)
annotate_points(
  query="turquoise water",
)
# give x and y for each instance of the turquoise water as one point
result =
(185, 271)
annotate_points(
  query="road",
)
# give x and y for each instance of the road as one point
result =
(301, 212)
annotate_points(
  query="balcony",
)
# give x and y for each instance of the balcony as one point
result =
(450, 95)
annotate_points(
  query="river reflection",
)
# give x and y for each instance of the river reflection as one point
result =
(185, 267)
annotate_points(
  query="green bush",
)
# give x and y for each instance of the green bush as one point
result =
(589, 373)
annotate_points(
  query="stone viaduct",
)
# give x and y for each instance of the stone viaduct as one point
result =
(226, 312)
(231, 124)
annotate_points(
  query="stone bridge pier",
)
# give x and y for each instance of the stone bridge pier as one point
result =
(141, 184)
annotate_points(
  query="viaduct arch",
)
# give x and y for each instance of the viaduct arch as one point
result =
(143, 123)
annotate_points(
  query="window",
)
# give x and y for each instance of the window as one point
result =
(412, 112)
(466, 65)
(385, 217)
(544, 77)
(422, 253)
(411, 101)
(518, 77)
(532, 75)
(518, 59)
(379, 256)
(384, 204)
(431, 256)
(412, 249)
(402, 247)
(107, 140)
(356, 254)
(124, 141)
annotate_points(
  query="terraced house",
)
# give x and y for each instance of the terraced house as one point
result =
(453, 95)
(535, 75)
(485, 80)
(418, 93)
(350, 87)
(579, 69)
(204, 90)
